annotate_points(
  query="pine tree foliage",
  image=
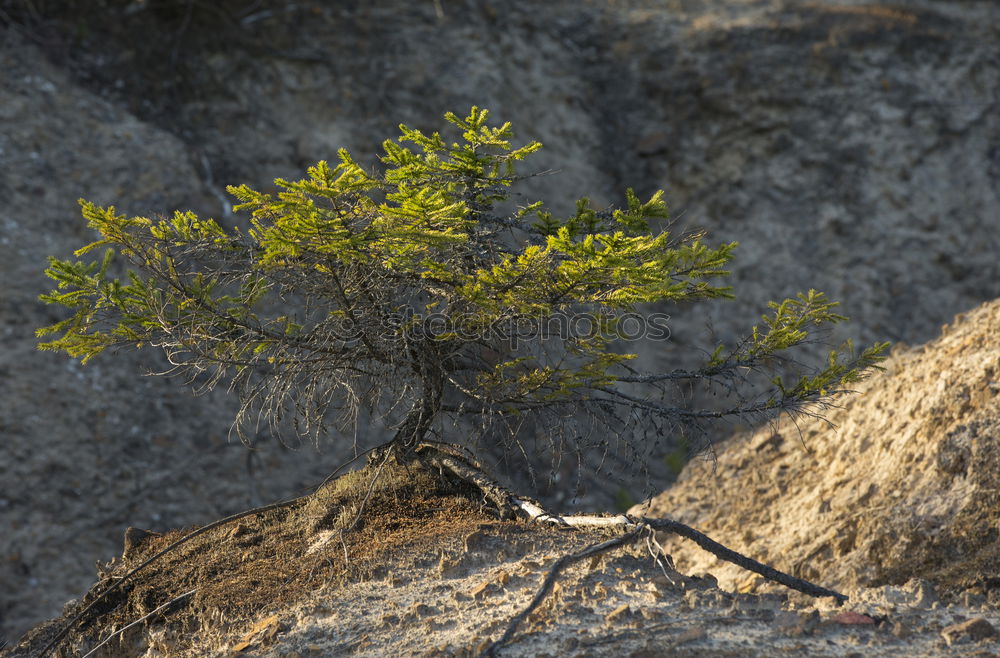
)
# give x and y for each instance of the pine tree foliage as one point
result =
(420, 291)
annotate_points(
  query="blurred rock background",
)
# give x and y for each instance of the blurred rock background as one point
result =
(850, 147)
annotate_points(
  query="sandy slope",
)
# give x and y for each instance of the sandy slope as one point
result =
(902, 481)
(447, 580)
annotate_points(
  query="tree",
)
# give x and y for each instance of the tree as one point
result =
(423, 291)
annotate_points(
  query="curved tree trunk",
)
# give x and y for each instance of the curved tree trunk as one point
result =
(420, 416)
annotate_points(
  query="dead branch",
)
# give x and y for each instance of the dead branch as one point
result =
(729, 555)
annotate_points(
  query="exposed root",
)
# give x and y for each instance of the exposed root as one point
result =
(550, 581)
(510, 505)
(729, 555)
(434, 456)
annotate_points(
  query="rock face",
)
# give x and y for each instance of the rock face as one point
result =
(829, 140)
(849, 147)
(900, 483)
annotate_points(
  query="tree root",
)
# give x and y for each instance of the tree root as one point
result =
(550, 581)
(510, 505)
(740, 560)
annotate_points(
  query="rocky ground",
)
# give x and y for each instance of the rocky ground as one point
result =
(849, 146)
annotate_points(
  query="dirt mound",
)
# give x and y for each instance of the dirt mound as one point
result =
(901, 482)
(227, 588)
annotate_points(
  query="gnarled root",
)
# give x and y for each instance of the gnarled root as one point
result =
(452, 460)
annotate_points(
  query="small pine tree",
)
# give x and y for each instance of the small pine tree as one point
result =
(423, 291)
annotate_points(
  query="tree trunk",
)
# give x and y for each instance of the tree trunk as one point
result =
(420, 416)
